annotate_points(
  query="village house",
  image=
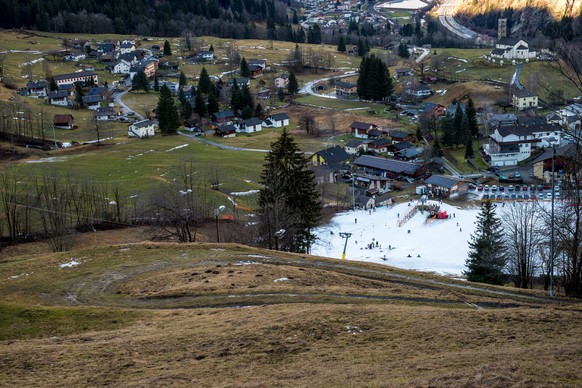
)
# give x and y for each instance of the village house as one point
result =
(281, 81)
(542, 164)
(193, 125)
(389, 168)
(524, 99)
(276, 120)
(503, 120)
(346, 90)
(379, 146)
(408, 154)
(333, 158)
(92, 101)
(510, 145)
(403, 72)
(354, 146)
(106, 48)
(149, 67)
(87, 77)
(228, 130)
(142, 129)
(328, 163)
(570, 116)
(64, 121)
(249, 125)
(442, 186)
(420, 91)
(204, 56)
(105, 114)
(120, 67)
(58, 97)
(360, 129)
(126, 47)
(240, 81)
(372, 184)
(399, 136)
(433, 109)
(397, 147)
(38, 88)
(224, 117)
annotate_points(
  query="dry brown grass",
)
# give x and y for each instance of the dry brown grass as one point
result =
(332, 323)
(310, 345)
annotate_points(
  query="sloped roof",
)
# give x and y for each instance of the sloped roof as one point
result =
(280, 117)
(80, 74)
(223, 113)
(37, 84)
(144, 123)
(252, 121)
(62, 119)
(334, 156)
(522, 93)
(226, 128)
(360, 125)
(402, 145)
(58, 94)
(525, 130)
(353, 143)
(396, 166)
(442, 181)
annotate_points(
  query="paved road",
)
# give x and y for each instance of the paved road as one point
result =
(308, 87)
(203, 139)
(126, 109)
(515, 78)
(446, 12)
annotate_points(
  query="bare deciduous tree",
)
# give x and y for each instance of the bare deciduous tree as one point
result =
(523, 237)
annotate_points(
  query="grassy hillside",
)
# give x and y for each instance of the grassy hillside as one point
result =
(207, 315)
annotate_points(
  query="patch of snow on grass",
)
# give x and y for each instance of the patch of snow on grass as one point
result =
(177, 148)
(247, 263)
(280, 280)
(244, 193)
(72, 263)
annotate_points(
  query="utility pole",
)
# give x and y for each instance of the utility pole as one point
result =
(552, 229)
(346, 236)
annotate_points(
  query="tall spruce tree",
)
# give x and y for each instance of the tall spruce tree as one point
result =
(487, 253)
(289, 203)
(168, 117)
(140, 81)
(374, 81)
(200, 105)
(167, 48)
(204, 82)
(447, 129)
(213, 105)
(156, 83)
(236, 99)
(471, 113)
(182, 81)
(244, 68)
(341, 46)
(293, 85)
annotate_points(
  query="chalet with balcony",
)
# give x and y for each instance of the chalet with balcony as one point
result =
(360, 129)
(64, 121)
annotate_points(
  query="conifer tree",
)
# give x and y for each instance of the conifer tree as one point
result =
(258, 111)
(204, 82)
(244, 68)
(186, 110)
(469, 152)
(168, 118)
(53, 85)
(471, 113)
(156, 83)
(167, 48)
(182, 81)
(236, 102)
(293, 85)
(487, 253)
(289, 203)
(447, 129)
(213, 105)
(341, 46)
(140, 81)
(247, 98)
(200, 105)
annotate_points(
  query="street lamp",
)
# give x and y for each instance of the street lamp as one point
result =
(217, 212)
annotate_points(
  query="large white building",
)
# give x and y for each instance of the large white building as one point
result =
(509, 145)
(513, 48)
